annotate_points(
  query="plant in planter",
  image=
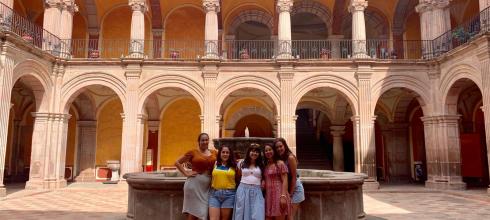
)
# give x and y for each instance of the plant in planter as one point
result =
(27, 37)
(94, 53)
(174, 54)
(244, 54)
(460, 34)
(324, 53)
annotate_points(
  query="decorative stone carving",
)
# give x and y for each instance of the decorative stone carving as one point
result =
(357, 5)
(138, 5)
(284, 5)
(211, 6)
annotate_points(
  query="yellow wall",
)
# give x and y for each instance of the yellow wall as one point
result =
(71, 139)
(184, 28)
(179, 127)
(103, 6)
(236, 107)
(167, 7)
(79, 36)
(116, 32)
(109, 133)
(412, 27)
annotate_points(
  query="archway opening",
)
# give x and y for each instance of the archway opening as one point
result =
(400, 138)
(324, 132)
(254, 125)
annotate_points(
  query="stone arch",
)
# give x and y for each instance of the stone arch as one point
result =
(104, 104)
(384, 110)
(261, 111)
(402, 104)
(346, 88)
(265, 85)
(73, 87)
(452, 94)
(420, 88)
(35, 76)
(85, 105)
(164, 81)
(258, 16)
(315, 104)
(316, 8)
(403, 9)
(180, 7)
(461, 71)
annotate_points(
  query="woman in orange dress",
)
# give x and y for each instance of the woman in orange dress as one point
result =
(196, 187)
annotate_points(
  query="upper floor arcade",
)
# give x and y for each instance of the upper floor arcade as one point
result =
(245, 29)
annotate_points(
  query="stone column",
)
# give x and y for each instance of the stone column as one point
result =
(425, 11)
(210, 116)
(283, 7)
(137, 45)
(484, 57)
(51, 24)
(211, 33)
(357, 8)
(133, 122)
(338, 148)
(48, 151)
(366, 145)
(68, 9)
(336, 42)
(287, 112)
(443, 152)
(87, 143)
(6, 85)
(153, 136)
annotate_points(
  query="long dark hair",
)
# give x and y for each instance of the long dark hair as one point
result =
(287, 152)
(231, 159)
(259, 162)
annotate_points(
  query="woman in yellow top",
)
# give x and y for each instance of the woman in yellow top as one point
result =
(223, 185)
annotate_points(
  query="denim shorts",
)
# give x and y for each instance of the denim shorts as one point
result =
(222, 198)
(299, 193)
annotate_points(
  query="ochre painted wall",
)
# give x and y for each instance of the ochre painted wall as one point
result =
(179, 127)
(184, 29)
(71, 139)
(116, 32)
(167, 7)
(236, 107)
(109, 133)
(79, 36)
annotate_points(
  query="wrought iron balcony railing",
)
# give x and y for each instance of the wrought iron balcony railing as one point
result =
(242, 50)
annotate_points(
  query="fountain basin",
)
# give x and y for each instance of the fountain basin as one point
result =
(329, 195)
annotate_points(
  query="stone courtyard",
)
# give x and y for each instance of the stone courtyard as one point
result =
(98, 201)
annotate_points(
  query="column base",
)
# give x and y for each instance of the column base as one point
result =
(3, 191)
(285, 56)
(210, 57)
(445, 185)
(370, 185)
(45, 184)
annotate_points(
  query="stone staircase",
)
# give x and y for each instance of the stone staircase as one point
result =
(310, 152)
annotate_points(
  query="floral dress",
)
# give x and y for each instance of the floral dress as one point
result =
(273, 189)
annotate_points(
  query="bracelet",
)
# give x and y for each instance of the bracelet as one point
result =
(283, 196)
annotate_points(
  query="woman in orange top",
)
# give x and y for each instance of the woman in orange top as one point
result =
(196, 187)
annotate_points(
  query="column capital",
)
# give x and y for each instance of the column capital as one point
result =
(357, 5)
(423, 7)
(337, 131)
(284, 5)
(153, 125)
(157, 32)
(70, 6)
(53, 4)
(363, 75)
(87, 123)
(285, 75)
(138, 5)
(211, 5)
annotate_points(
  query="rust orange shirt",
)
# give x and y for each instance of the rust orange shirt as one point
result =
(200, 162)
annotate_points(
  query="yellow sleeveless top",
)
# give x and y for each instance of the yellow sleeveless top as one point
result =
(223, 177)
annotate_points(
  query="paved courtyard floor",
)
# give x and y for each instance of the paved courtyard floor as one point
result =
(98, 201)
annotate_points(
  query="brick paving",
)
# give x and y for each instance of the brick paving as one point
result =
(98, 201)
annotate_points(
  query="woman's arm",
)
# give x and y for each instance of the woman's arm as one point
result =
(293, 165)
(283, 200)
(178, 164)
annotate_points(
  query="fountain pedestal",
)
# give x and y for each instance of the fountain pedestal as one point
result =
(329, 195)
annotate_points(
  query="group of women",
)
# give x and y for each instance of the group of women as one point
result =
(220, 187)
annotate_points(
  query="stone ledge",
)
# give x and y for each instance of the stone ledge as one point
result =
(445, 185)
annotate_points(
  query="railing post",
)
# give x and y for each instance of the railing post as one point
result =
(137, 43)
(212, 8)
(284, 30)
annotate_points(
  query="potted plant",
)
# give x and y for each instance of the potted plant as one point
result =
(324, 53)
(27, 37)
(93, 53)
(174, 54)
(460, 34)
(244, 54)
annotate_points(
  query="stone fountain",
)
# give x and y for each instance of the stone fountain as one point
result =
(329, 194)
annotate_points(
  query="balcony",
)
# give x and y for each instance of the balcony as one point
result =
(240, 50)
